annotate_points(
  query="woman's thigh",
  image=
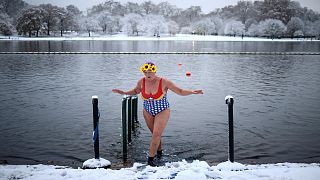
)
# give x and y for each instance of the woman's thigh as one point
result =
(149, 119)
(161, 121)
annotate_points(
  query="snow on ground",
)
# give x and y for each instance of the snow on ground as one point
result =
(119, 37)
(181, 170)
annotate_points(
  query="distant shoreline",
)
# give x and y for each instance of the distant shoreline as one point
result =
(178, 37)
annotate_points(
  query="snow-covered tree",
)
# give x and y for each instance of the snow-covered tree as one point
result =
(72, 18)
(254, 30)
(51, 17)
(134, 8)
(105, 21)
(234, 28)
(31, 20)
(6, 27)
(298, 33)
(13, 7)
(316, 26)
(63, 19)
(193, 13)
(131, 24)
(243, 10)
(204, 26)
(218, 24)
(186, 30)
(309, 29)
(294, 25)
(272, 28)
(89, 24)
(173, 27)
(309, 15)
(249, 22)
(166, 9)
(148, 7)
(112, 7)
(117, 23)
(154, 25)
(276, 9)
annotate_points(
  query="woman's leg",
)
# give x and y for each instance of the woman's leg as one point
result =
(150, 123)
(159, 124)
(149, 119)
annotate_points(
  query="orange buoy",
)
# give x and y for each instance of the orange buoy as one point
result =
(188, 73)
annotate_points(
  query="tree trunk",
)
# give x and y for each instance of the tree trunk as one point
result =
(37, 33)
(29, 33)
(61, 26)
(48, 31)
(89, 33)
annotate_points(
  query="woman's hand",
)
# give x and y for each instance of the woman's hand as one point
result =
(118, 91)
(197, 92)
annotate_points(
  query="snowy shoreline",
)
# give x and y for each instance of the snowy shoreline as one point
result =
(178, 37)
(175, 170)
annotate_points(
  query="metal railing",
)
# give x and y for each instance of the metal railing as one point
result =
(129, 120)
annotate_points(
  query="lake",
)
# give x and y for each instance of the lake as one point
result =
(46, 109)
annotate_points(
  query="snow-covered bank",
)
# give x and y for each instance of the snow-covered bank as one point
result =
(178, 37)
(176, 170)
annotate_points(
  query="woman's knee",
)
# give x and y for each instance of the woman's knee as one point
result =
(156, 135)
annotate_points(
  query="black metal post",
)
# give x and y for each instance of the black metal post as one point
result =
(96, 116)
(124, 128)
(134, 111)
(130, 124)
(229, 100)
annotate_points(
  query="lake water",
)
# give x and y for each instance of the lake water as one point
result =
(46, 109)
(157, 46)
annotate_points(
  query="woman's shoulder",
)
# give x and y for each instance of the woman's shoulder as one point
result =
(165, 80)
(140, 80)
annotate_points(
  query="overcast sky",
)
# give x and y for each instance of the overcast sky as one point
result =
(206, 5)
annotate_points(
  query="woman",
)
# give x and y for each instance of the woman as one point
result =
(156, 110)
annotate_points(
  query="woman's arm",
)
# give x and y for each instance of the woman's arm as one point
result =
(182, 92)
(134, 91)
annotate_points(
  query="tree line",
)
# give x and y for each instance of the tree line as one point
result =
(267, 18)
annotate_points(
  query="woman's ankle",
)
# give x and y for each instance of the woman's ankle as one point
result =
(151, 162)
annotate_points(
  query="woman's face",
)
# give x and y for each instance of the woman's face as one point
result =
(150, 75)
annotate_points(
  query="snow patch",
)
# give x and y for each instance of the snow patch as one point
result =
(175, 170)
(96, 163)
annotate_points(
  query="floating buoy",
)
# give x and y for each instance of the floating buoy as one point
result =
(180, 64)
(188, 73)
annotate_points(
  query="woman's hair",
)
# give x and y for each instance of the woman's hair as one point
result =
(149, 62)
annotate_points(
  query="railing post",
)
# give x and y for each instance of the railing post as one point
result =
(124, 127)
(134, 111)
(229, 101)
(96, 162)
(96, 116)
(130, 124)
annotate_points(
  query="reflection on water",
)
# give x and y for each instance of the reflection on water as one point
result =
(46, 115)
(156, 46)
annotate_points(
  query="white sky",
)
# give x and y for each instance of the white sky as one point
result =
(206, 5)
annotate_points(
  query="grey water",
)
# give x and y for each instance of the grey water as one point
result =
(158, 46)
(46, 109)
